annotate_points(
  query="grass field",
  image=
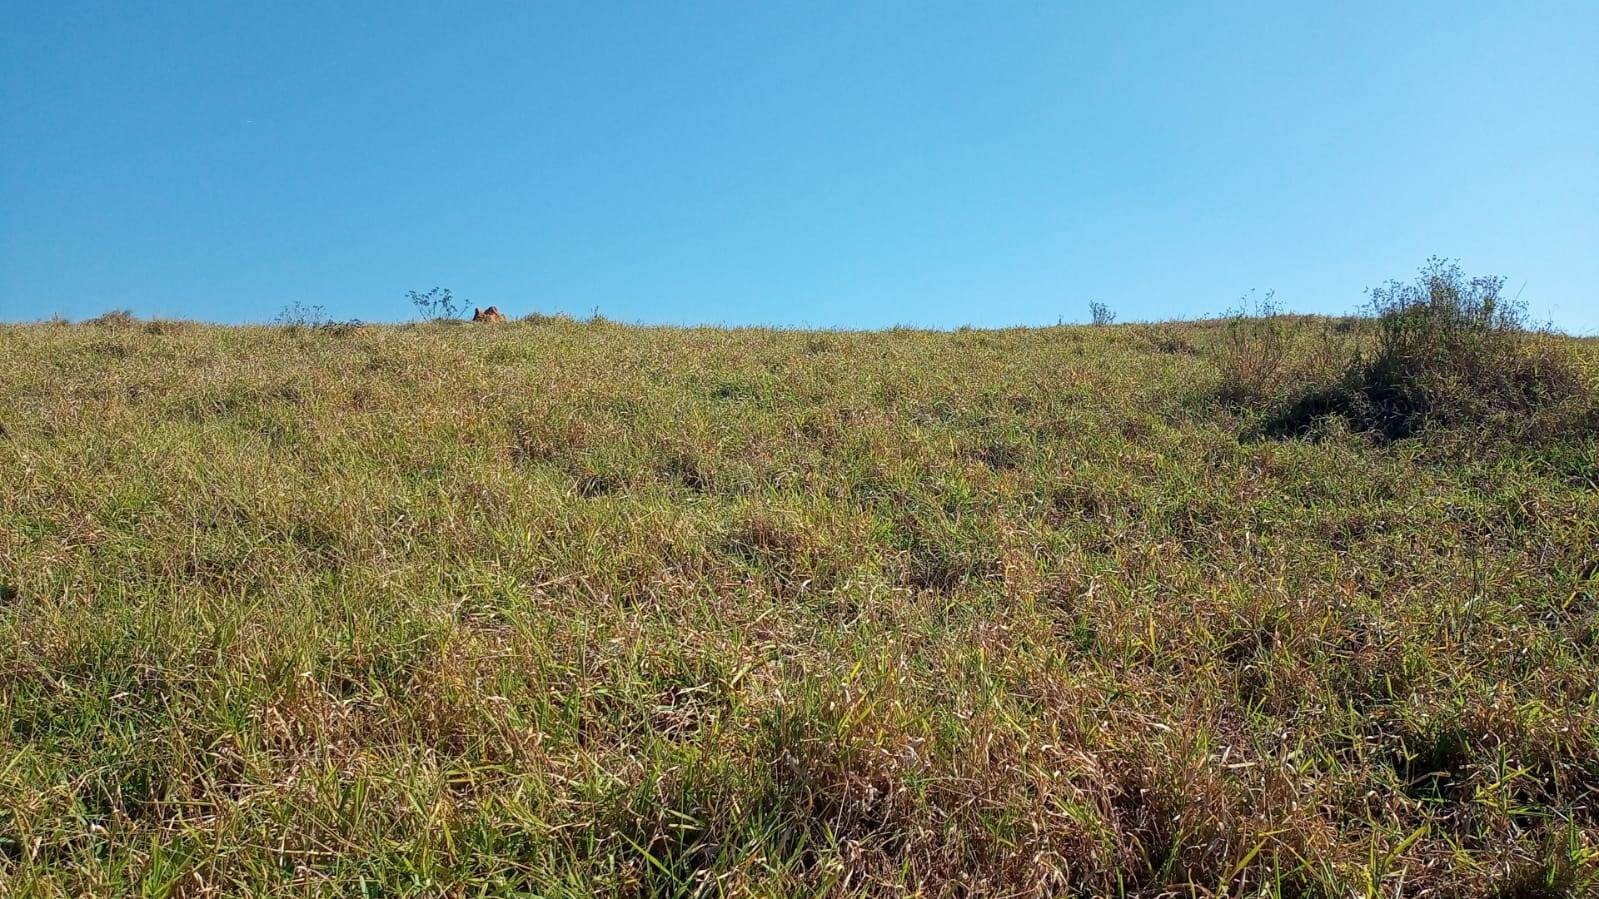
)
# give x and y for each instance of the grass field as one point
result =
(563, 608)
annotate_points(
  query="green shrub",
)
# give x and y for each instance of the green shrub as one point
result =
(1451, 351)
(169, 326)
(115, 318)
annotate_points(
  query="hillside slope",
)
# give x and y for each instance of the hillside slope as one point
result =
(567, 608)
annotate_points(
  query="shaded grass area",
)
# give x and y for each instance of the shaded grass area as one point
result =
(1448, 352)
(558, 608)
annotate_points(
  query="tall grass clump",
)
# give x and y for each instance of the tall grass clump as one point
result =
(1253, 350)
(1451, 351)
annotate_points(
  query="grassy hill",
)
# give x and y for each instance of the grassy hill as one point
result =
(575, 608)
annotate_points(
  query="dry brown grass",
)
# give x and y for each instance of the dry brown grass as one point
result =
(563, 608)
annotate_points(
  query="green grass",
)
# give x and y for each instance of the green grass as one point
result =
(566, 608)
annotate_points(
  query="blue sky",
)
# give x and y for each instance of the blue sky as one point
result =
(821, 164)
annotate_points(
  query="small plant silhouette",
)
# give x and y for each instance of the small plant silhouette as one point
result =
(299, 315)
(436, 303)
(1101, 314)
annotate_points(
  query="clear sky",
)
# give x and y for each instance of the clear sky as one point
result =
(857, 164)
